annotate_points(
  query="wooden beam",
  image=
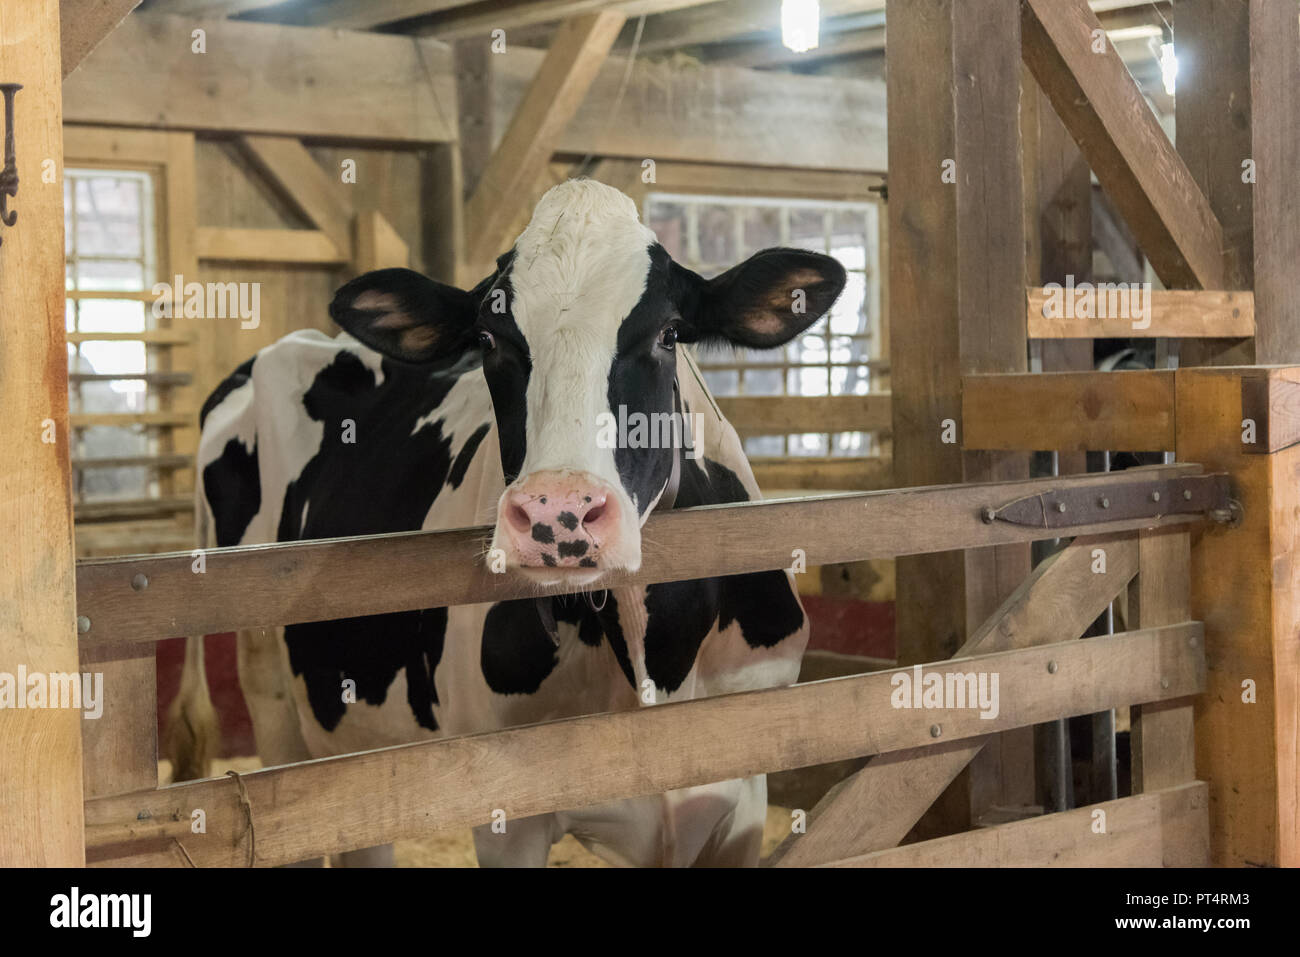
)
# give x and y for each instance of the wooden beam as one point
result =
(1136, 164)
(879, 805)
(770, 53)
(266, 78)
(704, 114)
(40, 748)
(1168, 828)
(553, 97)
(839, 473)
(1088, 411)
(1270, 412)
(321, 197)
(1248, 723)
(1176, 313)
(85, 23)
(546, 767)
(267, 245)
(377, 244)
(267, 585)
(781, 414)
(478, 19)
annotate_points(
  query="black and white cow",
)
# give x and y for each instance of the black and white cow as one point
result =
(396, 425)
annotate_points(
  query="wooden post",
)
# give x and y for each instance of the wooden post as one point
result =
(1244, 586)
(40, 748)
(955, 171)
(1239, 134)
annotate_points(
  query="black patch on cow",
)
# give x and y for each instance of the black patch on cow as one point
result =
(543, 533)
(568, 520)
(239, 377)
(516, 654)
(466, 455)
(764, 604)
(234, 491)
(575, 610)
(680, 615)
(548, 559)
(370, 651)
(384, 482)
(573, 549)
(588, 563)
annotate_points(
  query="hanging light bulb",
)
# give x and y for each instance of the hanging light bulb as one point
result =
(800, 20)
(1168, 66)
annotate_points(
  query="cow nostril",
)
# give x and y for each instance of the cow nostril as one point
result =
(593, 514)
(518, 518)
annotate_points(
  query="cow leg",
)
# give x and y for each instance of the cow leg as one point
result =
(737, 837)
(526, 842)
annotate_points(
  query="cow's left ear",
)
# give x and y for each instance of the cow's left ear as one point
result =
(406, 316)
(765, 301)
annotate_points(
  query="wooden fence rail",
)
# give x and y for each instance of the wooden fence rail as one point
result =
(331, 805)
(159, 596)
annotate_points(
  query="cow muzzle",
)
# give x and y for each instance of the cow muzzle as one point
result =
(564, 526)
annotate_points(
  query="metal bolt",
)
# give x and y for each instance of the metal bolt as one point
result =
(1155, 496)
(140, 582)
(1187, 495)
(1105, 502)
(1060, 506)
(1164, 683)
(1193, 640)
(83, 624)
(1051, 667)
(987, 514)
(935, 731)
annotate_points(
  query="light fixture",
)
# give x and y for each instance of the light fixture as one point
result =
(800, 20)
(1168, 66)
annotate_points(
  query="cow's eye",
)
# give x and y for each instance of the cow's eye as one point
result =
(668, 337)
(486, 341)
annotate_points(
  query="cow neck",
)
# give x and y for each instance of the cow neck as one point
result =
(545, 604)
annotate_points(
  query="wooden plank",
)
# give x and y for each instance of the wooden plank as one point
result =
(586, 761)
(120, 747)
(554, 95)
(376, 244)
(152, 378)
(1270, 412)
(779, 414)
(318, 195)
(267, 245)
(1163, 740)
(132, 508)
(1100, 104)
(266, 78)
(702, 114)
(128, 461)
(1275, 148)
(321, 580)
(40, 748)
(84, 25)
(736, 180)
(1178, 313)
(1166, 828)
(879, 805)
(847, 473)
(479, 19)
(1120, 411)
(152, 337)
(1244, 583)
(83, 420)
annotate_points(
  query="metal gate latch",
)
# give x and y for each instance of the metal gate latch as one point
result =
(1072, 507)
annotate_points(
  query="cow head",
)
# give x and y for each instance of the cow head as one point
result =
(578, 324)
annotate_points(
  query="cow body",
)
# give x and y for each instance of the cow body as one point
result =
(320, 437)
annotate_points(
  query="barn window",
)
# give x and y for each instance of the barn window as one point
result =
(842, 354)
(119, 379)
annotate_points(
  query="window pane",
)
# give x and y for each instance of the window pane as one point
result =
(111, 315)
(717, 238)
(808, 229)
(811, 443)
(109, 216)
(765, 445)
(110, 275)
(762, 228)
(668, 220)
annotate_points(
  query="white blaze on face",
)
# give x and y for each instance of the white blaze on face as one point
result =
(580, 267)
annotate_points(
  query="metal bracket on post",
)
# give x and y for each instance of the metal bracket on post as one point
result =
(9, 173)
(1073, 507)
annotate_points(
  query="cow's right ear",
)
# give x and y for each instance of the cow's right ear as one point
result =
(407, 316)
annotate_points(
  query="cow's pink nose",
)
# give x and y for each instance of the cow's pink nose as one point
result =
(559, 520)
